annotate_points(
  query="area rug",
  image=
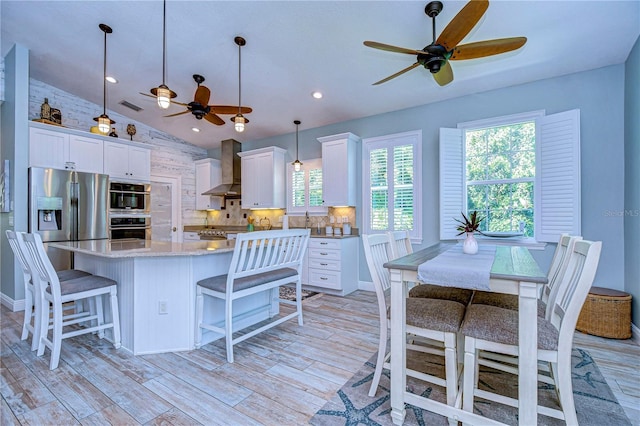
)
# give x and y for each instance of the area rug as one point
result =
(595, 403)
(289, 293)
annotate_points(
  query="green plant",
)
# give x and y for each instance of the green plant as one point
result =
(469, 224)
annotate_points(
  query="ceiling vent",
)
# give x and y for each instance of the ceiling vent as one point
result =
(129, 105)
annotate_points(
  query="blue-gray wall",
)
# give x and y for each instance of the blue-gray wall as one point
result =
(599, 94)
(632, 178)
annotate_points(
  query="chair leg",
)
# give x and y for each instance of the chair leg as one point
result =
(470, 374)
(451, 367)
(43, 323)
(228, 330)
(97, 300)
(382, 347)
(299, 301)
(115, 314)
(57, 337)
(28, 313)
(565, 390)
(199, 315)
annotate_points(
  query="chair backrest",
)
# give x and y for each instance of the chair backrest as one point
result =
(42, 271)
(400, 243)
(377, 252)
(17, 246)
(573, 288)
(558, 264)
(265, 251)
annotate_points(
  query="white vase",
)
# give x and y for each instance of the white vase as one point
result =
(470, 245)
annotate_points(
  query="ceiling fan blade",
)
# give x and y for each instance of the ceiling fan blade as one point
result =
(462, 23)
(384, 80)
(390, 48)
(445, 75)
(202, 95)
(487, 48)
(228, 109)
(178, 113)
(214, 119)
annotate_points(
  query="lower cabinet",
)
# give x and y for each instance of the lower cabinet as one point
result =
(332, 265)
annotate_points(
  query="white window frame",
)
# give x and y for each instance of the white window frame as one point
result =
(557, 181)
(413, 138)
(312, 164)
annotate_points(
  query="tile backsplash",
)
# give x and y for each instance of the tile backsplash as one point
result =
(235, 215)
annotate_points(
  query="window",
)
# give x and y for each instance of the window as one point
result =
(391, 184)
(304, 188)
(521, 172)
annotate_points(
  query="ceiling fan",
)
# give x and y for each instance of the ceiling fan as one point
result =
(436, 56)
(200, 108)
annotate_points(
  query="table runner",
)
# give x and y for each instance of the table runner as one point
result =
(453, 268)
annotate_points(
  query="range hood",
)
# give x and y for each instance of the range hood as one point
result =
(230, 186)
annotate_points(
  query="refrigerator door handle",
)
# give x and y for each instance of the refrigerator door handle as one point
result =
(74, 191)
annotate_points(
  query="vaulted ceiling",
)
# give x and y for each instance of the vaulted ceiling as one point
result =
(297, 47)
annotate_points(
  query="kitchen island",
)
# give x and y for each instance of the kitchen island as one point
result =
(156, 288)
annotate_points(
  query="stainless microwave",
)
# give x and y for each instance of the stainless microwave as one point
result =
(129, 197)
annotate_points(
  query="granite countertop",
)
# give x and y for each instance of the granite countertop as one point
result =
(242, 229)
(145, 248)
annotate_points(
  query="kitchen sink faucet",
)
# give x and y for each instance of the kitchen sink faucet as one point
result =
(306, 220)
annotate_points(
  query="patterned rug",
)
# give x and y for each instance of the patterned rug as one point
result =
(289, 293)
(595, 403)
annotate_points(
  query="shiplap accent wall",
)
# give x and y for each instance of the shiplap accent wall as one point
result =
(169, 155)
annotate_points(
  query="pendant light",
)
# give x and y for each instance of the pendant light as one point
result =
(162, 92)
(104, 122)
(239, 119)
(296, 164)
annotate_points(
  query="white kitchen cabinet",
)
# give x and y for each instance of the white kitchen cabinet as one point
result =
(332, 265)
(127, 162)
(59, 149)
(339, 169)
(263, 178)
(208, 175)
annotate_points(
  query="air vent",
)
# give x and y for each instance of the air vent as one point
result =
(136, 108)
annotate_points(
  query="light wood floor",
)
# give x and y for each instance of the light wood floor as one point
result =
(280, 377)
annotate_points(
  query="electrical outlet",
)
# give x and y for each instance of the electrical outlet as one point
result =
(162, 307)
(332, 219)
(345, 219)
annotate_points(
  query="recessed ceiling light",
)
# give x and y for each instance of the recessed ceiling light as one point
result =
(111, 79)
(317, 95)
(195, 129)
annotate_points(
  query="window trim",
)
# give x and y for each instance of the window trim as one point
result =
(311, 164)
(389, 141)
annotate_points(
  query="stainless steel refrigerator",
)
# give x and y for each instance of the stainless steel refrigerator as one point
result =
(67, 206)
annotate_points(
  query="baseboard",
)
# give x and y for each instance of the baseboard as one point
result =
(13, 305)
(366, 286)
(635, 333)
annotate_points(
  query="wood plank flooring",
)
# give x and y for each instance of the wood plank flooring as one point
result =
(280, 377)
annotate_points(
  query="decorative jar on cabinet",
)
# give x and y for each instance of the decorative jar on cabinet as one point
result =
(339, 169)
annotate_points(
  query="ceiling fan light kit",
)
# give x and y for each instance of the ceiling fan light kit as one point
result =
(104, 122)
(436, 56)
(162, 93)
(296, 164)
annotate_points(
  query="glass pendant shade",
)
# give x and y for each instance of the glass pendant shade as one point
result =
(239, 121)
(104, 124)
(164, 96)
(296, 165)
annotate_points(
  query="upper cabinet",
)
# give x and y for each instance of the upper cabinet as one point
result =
(208, 175)
(339, 169)
(58, 149)
(263, 178)
(127, 162)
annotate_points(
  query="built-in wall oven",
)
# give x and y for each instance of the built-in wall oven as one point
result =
(130, 227)
(129, 198)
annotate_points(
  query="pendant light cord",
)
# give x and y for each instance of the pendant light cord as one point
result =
(104, 77)
(239, 79)
(164, 39)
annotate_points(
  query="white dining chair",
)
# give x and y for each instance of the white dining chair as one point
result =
(495, 329)
(30, 324)
(51, 291)
(431, 319)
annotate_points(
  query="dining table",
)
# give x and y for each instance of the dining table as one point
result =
(513, 271)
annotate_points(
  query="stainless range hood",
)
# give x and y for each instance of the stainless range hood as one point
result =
(230, 186)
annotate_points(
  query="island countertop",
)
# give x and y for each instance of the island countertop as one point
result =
(145, 248)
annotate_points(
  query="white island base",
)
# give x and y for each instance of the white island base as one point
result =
(157, 287)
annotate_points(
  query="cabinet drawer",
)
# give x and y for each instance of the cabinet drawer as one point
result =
(324, 254)
(333, 265)
(324, 243)
(325, 278)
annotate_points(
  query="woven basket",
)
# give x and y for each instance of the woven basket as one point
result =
(606, 313)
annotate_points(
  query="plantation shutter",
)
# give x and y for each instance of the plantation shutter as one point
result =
(452, 185)
(297, 195)
(557, 187)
